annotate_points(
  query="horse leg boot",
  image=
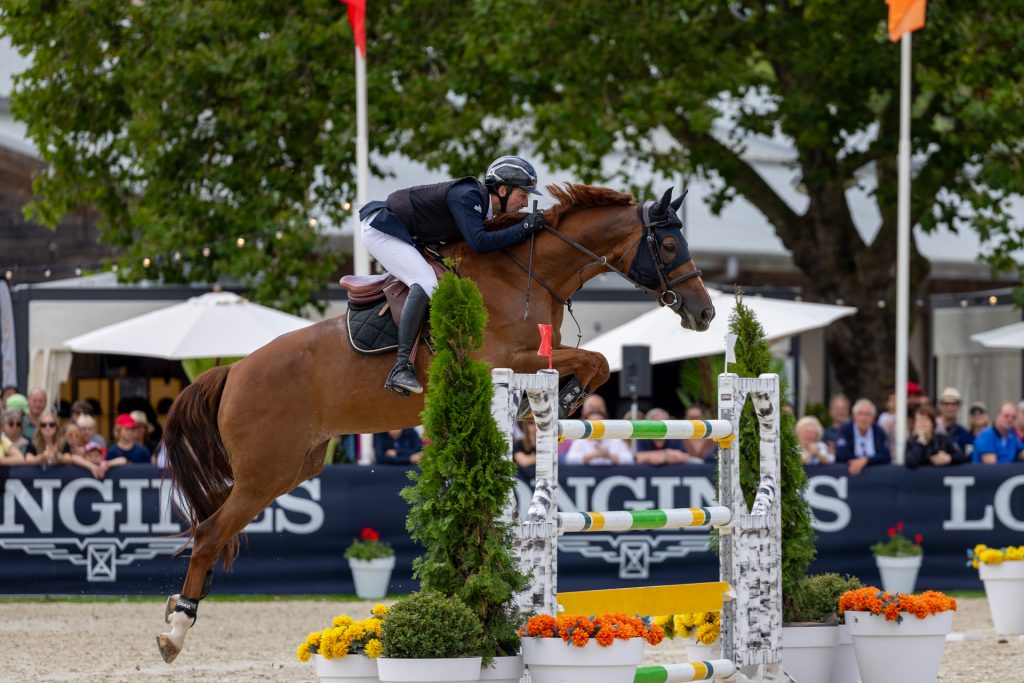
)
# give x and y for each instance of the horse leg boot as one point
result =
(402, 379)
(180, 613)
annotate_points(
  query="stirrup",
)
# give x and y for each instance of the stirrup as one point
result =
(571, 396)
(403, 389)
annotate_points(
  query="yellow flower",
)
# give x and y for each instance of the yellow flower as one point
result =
(373, 648)
(302, 652)
(708, 633)
(379, 610)
(979, 549)
(662, 621)
(313, 638)
(1015, 554)
(373, 626)
(687, 620)
(992, 556)
(342, 620)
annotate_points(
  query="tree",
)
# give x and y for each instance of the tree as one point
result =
(466, 477)
(578, 82)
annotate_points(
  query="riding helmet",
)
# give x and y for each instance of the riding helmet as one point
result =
(511, 170)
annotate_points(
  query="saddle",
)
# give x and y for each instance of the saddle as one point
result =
(375, 304)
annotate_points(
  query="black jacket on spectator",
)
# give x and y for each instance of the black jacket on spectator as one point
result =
(919, 454)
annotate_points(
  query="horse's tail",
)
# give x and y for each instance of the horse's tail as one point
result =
(197, 462)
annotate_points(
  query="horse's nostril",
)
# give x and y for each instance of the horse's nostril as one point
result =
(707, 314)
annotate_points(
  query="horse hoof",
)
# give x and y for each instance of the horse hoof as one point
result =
(172, 602)
(168, 650)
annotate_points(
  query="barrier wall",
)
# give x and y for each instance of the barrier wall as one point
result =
(61, 532)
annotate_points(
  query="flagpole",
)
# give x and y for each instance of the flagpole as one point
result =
(903, 256)
(360, 258)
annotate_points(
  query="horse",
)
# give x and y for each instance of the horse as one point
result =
(305, 387)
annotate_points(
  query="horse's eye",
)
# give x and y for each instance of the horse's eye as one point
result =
(670, 246)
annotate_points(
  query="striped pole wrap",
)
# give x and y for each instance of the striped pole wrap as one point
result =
(644, 429)
(635, 520)
(690, 671)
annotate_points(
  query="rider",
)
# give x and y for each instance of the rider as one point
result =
(443, 213)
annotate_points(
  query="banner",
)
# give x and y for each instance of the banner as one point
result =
(65, 533)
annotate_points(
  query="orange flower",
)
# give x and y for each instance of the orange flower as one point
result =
(581, 637)
(893, 606)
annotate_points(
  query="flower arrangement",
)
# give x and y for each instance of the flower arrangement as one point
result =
(898, 545)
(368, 547)
(704, 627)
(982, 554)
(893, 605)
(579, 629)
(346, 636)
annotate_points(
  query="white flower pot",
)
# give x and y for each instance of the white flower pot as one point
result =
(908, 652)
(808, 652)
(503, 670)
(372, 576)
(350, 669)
(697, 651)
(844, 665)
(550, 660)
(899, 574)
(1004, 589)
(454, 670)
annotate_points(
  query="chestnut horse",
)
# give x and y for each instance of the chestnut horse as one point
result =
(225, 432)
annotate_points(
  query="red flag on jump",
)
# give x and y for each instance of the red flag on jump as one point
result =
(357, 18)
(545, 342)
(905, 16)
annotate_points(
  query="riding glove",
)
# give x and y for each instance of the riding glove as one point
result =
(534, 223)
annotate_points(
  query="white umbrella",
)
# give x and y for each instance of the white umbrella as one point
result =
(1006, 337)
(660, 328)
(215, 325)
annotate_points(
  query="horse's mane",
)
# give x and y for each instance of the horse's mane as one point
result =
(571, 198)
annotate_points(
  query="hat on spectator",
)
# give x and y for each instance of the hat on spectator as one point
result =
(17, 402)
(978, 407)
(950, 395)
(140, 417)
(914, 389)
(125, 420)
(93, 446)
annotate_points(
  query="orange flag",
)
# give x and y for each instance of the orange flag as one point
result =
(545, 343)
(904, 16)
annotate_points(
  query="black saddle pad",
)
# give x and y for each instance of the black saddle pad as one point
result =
(372, 329)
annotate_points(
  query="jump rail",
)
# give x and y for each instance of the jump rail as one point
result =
(749, 555)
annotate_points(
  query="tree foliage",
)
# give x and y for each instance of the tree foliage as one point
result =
(466, 477)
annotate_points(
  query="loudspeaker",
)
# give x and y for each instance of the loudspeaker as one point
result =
(635, 378)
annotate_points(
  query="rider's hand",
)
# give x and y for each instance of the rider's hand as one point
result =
(534, 223)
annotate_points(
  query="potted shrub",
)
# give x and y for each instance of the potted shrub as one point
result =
(430, 637)
(810, 630)
(898, 560)
(465, 480)
(898, 637)
(347, 650)
(603, 648)
(700, 630)
(371, 561)
(1002, 572)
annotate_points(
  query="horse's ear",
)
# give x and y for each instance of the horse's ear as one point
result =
(662, 207)
(678, 201)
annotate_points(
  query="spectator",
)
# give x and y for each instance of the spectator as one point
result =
(126, 442)
(839, 413)
(524, 449)
(144, 432)
(662, 451)
(78, 409)
(74, 442)
(47, 445)
(13, 420)
(598, 451)
(9, 453)
(94, 459)
(87, 424)
(928, 446)
(17, 402)
(949, 411)
(977, 419)
(861, 442)
(1018, 426)
(36, 406)
(592, 405)
(887, 420)
(813, 450)
(998, 443)
(699, 450)
(8, 390)
(398, 447)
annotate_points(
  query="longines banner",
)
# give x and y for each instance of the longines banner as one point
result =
(62, 532)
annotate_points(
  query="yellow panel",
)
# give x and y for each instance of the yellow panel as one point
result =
(647, 600)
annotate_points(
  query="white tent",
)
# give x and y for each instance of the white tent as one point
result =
(1005, 337)
(660, 328)
(215, 325)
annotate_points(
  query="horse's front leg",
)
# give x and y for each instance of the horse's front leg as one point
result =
(589, 367)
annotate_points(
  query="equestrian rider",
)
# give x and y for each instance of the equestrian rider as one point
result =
(443, 213)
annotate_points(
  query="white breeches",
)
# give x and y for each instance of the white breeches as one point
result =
(399, 258)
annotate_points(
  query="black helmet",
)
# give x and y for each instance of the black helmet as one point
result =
(511, 170)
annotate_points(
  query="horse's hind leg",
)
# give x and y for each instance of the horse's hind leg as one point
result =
(210, 539)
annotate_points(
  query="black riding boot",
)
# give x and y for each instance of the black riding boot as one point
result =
(403, 377)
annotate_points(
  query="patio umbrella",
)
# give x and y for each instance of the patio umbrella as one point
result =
(660, 328)
(1006, 337)
(214, 325)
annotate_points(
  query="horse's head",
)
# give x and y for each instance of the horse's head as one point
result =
(662, 263)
